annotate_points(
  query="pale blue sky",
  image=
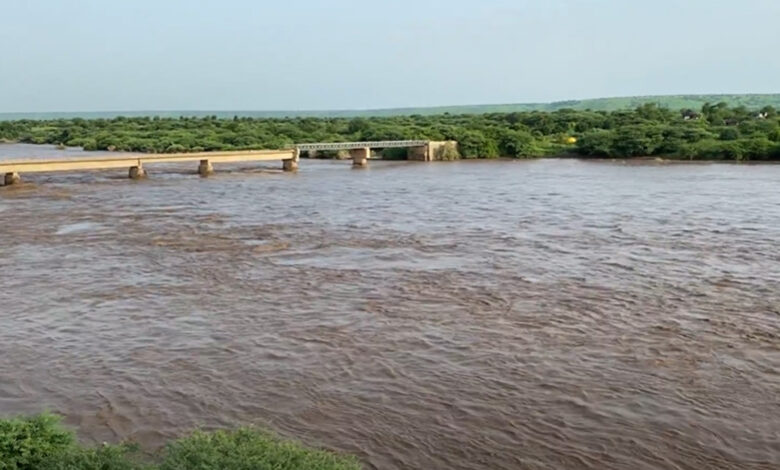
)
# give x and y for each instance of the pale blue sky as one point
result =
(98, 55)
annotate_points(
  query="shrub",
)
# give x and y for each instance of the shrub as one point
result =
(40, 443)
(102, 458)
(248, 449)
(756, 148)
(448, 151)
(26, 443)
(729, 133)
(596, 143)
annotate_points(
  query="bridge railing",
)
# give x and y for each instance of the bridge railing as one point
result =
(359, 145)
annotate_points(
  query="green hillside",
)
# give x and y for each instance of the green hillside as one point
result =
(598, 104)
(752, 101)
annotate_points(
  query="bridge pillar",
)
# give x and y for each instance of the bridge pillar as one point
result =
(11, 179)
(360, 156)
(419, 154)
(291, 164)
(137, 172)
(205, 168)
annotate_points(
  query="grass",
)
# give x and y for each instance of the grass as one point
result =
(247, 449)
(41, 443)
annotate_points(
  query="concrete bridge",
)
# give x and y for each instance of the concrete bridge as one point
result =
(360, 152)
(11, 169)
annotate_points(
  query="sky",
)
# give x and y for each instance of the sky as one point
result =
(125, 55)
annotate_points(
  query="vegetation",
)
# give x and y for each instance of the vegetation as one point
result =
(28, 443)
(715, 131)
(40, 443)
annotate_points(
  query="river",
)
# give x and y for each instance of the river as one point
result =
(550, 314)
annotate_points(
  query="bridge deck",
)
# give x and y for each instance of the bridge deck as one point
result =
(360, 145)
(11, 169)
(125, 161)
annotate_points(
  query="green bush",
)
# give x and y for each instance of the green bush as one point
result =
(27, 443)
(40, 443)
(248, 449)
(101, 458)
(447, 152)
(596, 143)
(729, 133)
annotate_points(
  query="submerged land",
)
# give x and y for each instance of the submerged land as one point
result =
(715, 131)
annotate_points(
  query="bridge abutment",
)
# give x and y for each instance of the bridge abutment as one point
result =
(360, 156)
(433, 151)
(12, 178)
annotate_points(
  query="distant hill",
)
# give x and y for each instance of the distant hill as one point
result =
(753, 101)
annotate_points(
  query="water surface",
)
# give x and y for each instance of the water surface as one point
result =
(552, 314)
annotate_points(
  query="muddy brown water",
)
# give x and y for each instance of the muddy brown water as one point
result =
(473, 315)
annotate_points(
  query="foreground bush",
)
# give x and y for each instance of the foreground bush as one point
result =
(102, 458)
(27, 443)
(247, 449)
(40, 443)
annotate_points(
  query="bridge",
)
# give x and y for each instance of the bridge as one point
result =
(360, 152)
(358, 145)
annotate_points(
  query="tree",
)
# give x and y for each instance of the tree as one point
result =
(769, 111)
(596, 143)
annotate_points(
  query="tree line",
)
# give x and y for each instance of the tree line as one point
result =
(716, 131)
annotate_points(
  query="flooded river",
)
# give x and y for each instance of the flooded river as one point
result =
(472, 315)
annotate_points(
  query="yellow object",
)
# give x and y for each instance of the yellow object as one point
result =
(571, 140)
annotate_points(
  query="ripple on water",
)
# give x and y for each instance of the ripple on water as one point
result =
(79, 227)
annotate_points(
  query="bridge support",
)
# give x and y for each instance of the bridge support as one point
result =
(291, 164)
(360, 156)
(205, 168)
(12, 178)
(137, 172)
(445, 150)
(419, 154)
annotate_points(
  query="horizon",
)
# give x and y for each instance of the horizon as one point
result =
(305, 56)
(399, 108)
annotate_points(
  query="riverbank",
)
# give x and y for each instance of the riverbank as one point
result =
(41, 443)
(715, 132)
